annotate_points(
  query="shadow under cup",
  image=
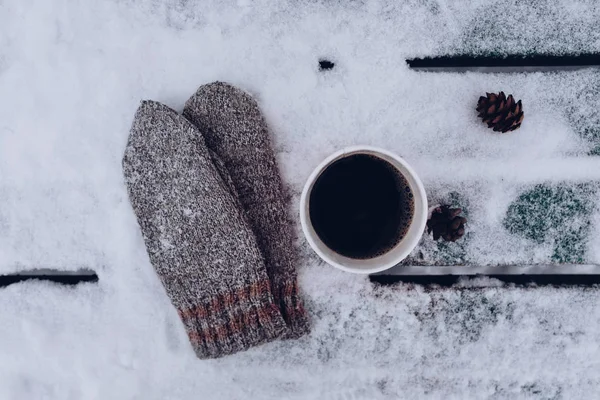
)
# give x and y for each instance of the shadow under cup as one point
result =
(363, 209)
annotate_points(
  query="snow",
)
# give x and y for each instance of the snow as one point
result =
(71, 76)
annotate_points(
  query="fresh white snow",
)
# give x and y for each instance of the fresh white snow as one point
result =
(71, 76)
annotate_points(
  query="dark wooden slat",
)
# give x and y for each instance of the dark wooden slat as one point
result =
(66, 279)
(510, 63)
(520, 280)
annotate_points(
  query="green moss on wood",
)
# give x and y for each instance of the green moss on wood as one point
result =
(559, 215)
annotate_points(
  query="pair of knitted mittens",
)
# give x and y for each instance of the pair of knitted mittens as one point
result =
(208, 197)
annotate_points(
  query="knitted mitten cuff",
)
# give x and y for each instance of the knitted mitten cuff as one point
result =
(232, 321)
(292, 309)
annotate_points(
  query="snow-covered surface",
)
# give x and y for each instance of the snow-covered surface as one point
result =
(71, 76)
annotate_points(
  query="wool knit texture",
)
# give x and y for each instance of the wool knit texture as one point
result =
(198, 239)
(235, 130)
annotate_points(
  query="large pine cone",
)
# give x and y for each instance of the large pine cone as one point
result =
(499, 112)
(446, 223)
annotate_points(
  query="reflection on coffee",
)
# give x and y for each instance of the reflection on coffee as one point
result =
(361, 206)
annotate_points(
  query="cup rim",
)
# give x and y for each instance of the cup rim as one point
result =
(420, 220)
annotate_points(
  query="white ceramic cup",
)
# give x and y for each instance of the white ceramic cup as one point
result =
(395, 254)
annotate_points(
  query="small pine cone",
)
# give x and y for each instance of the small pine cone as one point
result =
(499, 112)
(446, 223)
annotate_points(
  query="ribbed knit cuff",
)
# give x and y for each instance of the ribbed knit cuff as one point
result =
(292, 309)
(233, 321)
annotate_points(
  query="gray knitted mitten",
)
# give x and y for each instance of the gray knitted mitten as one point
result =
(198, 239)
(234, 128)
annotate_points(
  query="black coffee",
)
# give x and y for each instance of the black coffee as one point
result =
(361, 206)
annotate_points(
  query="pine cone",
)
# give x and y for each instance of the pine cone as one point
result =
(446, 223)
(499, 112)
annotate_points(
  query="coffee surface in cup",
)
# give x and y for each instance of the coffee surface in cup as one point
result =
(361, 206)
